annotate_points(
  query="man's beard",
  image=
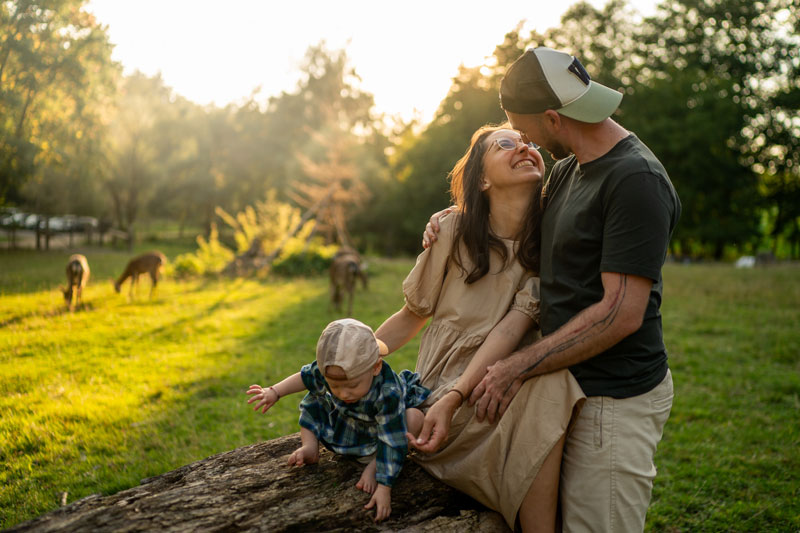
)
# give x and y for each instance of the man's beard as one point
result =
(557, 150)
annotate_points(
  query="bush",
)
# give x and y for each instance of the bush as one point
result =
(210, 258)
(187, 266)
(308, 263)
(304, 258)
(268, 224)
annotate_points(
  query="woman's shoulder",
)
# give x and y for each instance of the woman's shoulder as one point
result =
(449, 222)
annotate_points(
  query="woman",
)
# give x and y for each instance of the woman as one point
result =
(478, 284)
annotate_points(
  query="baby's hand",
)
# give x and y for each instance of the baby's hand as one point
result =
(265, 398)
(382, 499)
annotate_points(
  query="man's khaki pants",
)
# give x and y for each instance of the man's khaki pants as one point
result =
(607, 470)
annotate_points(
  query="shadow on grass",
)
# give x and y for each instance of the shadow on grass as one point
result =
(53, 313)
(168, 331)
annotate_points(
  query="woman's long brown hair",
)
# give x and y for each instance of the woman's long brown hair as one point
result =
(473, 226)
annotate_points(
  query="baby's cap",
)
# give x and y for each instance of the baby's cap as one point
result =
(351, 345)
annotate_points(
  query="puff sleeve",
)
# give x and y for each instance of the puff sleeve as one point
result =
(423, 285)
(527, 298)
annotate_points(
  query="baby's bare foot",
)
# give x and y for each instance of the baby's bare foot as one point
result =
(304, 455)
(367, 483)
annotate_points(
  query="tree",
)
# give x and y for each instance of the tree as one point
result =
(328, 135)
(185, 189)
(145, 146)
(715, 55)
(777, 161)
(57, 76)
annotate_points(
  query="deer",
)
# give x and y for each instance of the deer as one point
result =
(150, 263)
(77, 278)
(345, 270)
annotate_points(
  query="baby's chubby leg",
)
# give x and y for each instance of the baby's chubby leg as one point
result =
(308, 453)
(414, 420)
(367, 482)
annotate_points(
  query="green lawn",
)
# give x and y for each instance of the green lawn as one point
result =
(96, 400)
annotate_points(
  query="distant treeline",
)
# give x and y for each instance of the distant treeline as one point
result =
(711, 86)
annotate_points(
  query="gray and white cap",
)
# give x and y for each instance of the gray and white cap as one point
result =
(543, 79)
(351, 345)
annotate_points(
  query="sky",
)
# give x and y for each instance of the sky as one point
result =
(406, 53)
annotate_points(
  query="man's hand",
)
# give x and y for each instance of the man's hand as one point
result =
(432, 228)
(496, 390)
(436, 425)
(382, 500)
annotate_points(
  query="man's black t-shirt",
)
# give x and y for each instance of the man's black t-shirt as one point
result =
(613, 214)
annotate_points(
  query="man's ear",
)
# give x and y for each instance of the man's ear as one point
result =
(552, 119)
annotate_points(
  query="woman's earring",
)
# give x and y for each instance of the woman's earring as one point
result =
(485, 185)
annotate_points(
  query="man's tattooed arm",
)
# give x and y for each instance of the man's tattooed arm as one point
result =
(590, 332)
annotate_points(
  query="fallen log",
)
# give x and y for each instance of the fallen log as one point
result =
(252, 489)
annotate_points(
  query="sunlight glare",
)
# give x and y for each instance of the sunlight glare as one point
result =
(215, 52)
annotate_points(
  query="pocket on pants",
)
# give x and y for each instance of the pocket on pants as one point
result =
(662, 396)
(661, 404)
(588, 428)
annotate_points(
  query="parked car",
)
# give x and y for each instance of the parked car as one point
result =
(64, 223)
(87, 223)
(12, 218)
(31, 221)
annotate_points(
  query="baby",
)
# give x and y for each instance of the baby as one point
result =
(355, 405)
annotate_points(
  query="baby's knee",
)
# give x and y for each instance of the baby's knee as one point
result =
(414, 420)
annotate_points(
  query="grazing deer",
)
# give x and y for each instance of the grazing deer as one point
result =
(77, 278)
(150, 262)
(345, 269)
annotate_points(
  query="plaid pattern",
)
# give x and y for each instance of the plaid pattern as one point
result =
(375, 424)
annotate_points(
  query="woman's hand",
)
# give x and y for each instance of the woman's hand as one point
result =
(436, 425)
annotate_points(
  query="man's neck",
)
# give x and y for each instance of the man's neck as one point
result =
(592, 141)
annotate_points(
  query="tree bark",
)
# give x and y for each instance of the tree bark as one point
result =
(252, 489)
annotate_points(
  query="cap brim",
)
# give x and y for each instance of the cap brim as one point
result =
(596, 105)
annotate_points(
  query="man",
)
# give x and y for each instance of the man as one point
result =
(610, 210)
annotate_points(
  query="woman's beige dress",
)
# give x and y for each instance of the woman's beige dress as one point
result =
(493, 463)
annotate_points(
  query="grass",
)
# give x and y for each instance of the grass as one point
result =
(730, 457)
(96, 400)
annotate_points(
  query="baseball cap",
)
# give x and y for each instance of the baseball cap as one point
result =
(543, 78)
(349, 344)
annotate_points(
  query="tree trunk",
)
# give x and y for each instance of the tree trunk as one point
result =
(47, 233)
(252, 489)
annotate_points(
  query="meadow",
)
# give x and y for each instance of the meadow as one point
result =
(96, 400)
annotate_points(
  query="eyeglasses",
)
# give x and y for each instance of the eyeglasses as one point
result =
(506, 143)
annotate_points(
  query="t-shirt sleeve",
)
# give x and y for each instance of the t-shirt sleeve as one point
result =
(638, 211)
(423, 285)
(527, 299)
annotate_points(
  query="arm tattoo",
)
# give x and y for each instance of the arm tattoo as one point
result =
(589, 332)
